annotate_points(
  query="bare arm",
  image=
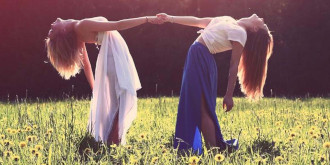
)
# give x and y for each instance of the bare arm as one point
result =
(186, 20)
(87, 67)
(232, 77)
(102, 25)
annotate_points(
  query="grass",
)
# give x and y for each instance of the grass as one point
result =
(274, 131)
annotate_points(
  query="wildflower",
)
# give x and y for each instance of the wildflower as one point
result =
(326, 145)
(311, 132)
(324, 120)
(35, 126)
(6, 142)
(313, 128)
(113, 145)
(13, 131)
(278, 123)
(39, 147)
(15, 158)
(299, 126)
(33, 151)
(164, 151)
(38, 154)
(219, 158)
(28, 128)
(8, 130)
(29, 138)
(19, 130)
(22, 144)
(290, 139)
(279, 159)
(321, 158)
(142, 136)
(7, 153)
(2, 137)
(193, 160)
(293, 134)
(49, 131)
(154, 160)
(315, 136)
(129, 147)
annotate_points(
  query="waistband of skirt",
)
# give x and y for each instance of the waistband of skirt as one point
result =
(200, 45)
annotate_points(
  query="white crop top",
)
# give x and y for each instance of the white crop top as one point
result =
(220, 31)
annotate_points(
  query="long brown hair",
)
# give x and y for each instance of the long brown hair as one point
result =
(63, 53)
(252, 70)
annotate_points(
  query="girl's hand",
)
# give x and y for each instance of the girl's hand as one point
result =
(155, 20)
(228, 103)
(164, 17)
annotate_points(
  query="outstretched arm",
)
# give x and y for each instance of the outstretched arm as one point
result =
(104, 25)
(186, 20)
(87, 66)
(232, 77)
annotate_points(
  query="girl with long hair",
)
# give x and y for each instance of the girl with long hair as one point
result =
(251, 44)
(114, 102)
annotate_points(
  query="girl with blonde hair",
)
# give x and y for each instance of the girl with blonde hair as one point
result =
(114, 101)
(251, 44)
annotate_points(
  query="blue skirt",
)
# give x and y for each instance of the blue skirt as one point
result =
(199, 78)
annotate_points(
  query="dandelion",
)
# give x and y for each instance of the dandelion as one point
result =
(293, 134)
(22, 144)
(7, 153)
(321, 158)
(154, 160)
(33, 151)
(49, 131)
(279, 159)
(164, 151)
(142, 136)
(129, 147)
(39, 147)
(193, 160)
(219, 158)
(38, 154)
(15, 158)
(326, 145)
(6, 142)
(28, 129)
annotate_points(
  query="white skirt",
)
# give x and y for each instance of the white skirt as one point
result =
(115, 86)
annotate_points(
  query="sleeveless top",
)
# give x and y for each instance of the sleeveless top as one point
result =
(220, 31)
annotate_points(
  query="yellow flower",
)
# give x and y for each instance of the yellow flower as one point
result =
(154, 160)
(15, 158)
(35, 126)
(39, 147)
(22, 144)
(28, 128)
(299, 126)
(278, 123)
(293, 134)
(7, 153)
(164, 151)
(13, 131)
(219, 157)
(142, 136)
(33, 151)
(279, 159)
(113, 145)
(2, 137)
(313, 128)
(326, 145)
(6, 142)
(315, 136)
(193, 160)
(50, 130)
(29, 138)
(19, 130)
(128, 147)
(311, 132)
(38, 154)
(324, 120)
(321, 158)
(8, 130)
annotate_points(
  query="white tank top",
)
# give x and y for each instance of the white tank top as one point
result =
(220, 31)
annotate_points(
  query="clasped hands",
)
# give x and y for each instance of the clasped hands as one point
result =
(159, 18)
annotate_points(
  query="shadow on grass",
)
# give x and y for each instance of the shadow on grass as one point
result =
(264, 148)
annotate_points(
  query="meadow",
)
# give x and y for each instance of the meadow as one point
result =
(273, 131)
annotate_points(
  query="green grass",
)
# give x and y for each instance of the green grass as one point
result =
(296, 130)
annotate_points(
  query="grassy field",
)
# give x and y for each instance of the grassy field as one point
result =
(274, 131)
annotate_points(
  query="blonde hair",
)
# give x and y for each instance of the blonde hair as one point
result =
(252, 70)
(63, 53)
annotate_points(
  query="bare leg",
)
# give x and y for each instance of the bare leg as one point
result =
(208, 127)
(113, 137)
